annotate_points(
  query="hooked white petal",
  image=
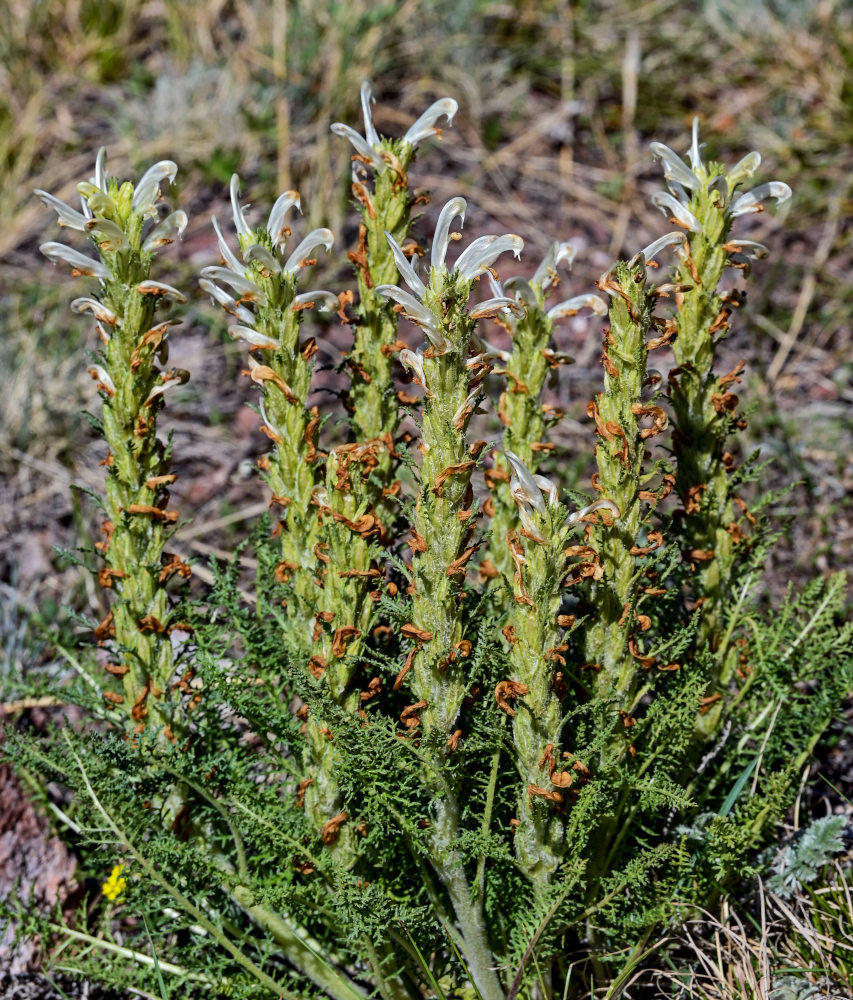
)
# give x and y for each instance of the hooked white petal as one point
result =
(176, 376)
(110, 237)
(483, 252)
(100, 178)
(521, 289)
(227, 302)
(748, 248)
(239, 282)
(225, 251)
(361, 147)
(548, 487)
(80, 262)
(455, 208)
(256, 252)
(316, 238)
(160, 288)
(654, 248)
(491, 306)
(325, 301)
(66, 215)
(524, 482)
(744, 168)
(677, 191)
(607, 505)
(751, 201)
(424, 127)
(557, 253)
(238, 332)
(571, 307)
(99, 374)
(97, 309)
(367, 99)
(415, 362)
(240, 223)
(414, 310)
(407, 271)
(275, 224)
(148, 189)
(164, 234)
(670, 207)
(674, 168)
(695, 148)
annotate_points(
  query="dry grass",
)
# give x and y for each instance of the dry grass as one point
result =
(799, 949)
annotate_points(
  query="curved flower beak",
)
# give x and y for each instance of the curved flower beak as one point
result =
(673, 208)
(522, 484)
(78, 261)
(301, 256)
(275, 224)
(546, 274)
(66, 216)
(479, 256)
(147, 191)
(240, 224)
(455, 208)
(424, 127)
(674, 168)
(406, 269)
(171, 227)
(752, 201)
(571, 307)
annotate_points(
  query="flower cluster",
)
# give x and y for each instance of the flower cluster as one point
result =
(475, 260)
(267, 273)
(370, 147)
(115, 885)
(685, 182)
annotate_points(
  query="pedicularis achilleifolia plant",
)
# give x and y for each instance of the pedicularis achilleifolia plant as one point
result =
(469, 736)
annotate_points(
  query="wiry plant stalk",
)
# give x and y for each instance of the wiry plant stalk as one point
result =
(624, 421)
(536, 687)
(451, 375)
(702, 198)
(525, 369)
(139, 521)
(265, 276)
(385, 205)
(452, 378)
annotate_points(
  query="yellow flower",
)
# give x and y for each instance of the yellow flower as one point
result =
(115, 884)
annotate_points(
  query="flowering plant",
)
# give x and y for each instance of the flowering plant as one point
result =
(447, 747)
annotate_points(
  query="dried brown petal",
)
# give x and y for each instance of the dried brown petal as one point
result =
(506, 690)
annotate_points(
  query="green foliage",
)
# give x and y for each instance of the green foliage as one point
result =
(801, 862)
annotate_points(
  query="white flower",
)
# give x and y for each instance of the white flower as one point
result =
(472, 262)
(545, 276)
(261, 262)
(97, 309)
(597, 505)
(527, 489)
(80, 263)
(369, 145)
(641, 259)
(682, 180)
(99, 214)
